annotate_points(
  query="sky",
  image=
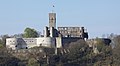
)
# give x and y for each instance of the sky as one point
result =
(97, 16)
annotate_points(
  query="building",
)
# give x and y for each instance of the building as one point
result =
(73, 32)
(52, 20)
(25, 43)
(55, 38)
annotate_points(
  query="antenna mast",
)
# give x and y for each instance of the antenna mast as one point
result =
(53, 6)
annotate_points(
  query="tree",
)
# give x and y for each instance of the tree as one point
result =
(3, 40)
(32, 62)
(116, 51)
(76, 54)
(7, 59)
(30, 33)
(104, 57)
(18, 35)
(1, 44)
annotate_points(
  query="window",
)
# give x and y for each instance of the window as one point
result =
(26, 47)
(65, 28)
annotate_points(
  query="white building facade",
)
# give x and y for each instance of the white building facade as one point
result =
(26, 43)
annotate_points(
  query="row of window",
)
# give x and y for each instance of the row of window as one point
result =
(70, 32)
(21, 41)
(68, 28)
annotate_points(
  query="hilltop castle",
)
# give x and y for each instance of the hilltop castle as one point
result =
(53, 37)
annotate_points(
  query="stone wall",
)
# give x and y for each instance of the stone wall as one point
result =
(67, 40)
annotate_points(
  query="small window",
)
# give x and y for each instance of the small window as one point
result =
(16, 46)
(26, 47)
(65, 28)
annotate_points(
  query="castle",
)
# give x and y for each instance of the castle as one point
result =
(53, 37)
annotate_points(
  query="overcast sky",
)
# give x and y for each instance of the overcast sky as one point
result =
(97, 16)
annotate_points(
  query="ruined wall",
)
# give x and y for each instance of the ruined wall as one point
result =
(67, 40)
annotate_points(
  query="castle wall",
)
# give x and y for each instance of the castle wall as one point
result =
(70, 31)
(46, 41)
(11, 43)
(67, 40)
(58, 42)
(24, 43)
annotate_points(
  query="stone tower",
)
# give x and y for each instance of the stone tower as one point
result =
(52, 20)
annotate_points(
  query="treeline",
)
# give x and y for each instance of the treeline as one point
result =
(76, 54)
